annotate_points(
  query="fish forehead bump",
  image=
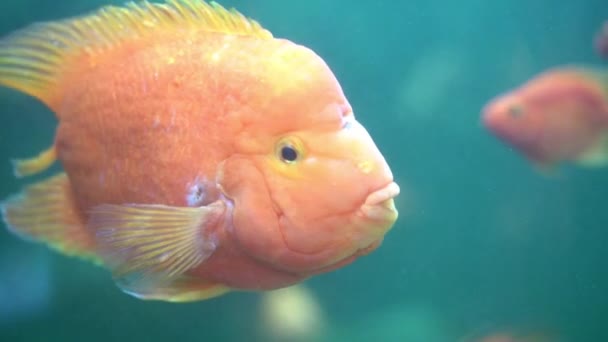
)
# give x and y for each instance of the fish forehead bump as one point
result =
(292, 89)
(293, 66)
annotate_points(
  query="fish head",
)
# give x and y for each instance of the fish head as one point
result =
(311, 190)
(512, 120)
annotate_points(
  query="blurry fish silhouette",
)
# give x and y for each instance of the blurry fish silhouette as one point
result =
(601, 41)
(558, 116)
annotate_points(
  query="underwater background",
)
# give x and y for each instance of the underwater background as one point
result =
(484, 245)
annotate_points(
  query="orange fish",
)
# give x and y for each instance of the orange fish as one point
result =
(200, 154)
(558, 116)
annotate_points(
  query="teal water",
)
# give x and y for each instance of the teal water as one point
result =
(484, 244)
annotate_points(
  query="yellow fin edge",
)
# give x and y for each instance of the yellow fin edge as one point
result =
(44, 212)
(182, 290)
(34, 165)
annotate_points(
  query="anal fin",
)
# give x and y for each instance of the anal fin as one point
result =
(34, 165)
(45, 212)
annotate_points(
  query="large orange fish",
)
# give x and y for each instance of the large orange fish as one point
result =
(558, 116)
(200, 153)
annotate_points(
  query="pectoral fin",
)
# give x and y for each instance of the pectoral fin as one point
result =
(149, 248)
(597, 155)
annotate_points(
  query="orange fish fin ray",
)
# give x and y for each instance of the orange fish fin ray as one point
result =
(182, 289)
(597, 155)
(45, 212)
(147, 246)
(34, 165)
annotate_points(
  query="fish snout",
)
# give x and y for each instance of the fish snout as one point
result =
(489, 119)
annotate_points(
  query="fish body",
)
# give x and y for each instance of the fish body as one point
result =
(560, 115)
(201, 154)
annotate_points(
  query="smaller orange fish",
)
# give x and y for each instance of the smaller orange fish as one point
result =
(558, 116)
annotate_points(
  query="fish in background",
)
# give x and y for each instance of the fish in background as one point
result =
(601, 41)
(559, 116)
(292, 314)
(200, 153)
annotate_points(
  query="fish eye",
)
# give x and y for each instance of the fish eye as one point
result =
(289, 151)
(289, 154)
(515, 111)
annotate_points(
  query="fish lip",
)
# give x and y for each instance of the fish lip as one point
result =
(382, 195)
(379, 210)
(379, 206)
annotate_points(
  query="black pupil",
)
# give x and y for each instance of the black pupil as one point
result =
(289, 154)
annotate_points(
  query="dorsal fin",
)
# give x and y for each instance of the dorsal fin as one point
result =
(32, 59)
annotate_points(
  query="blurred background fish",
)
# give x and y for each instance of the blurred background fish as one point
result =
(558, 116)
(601, 41)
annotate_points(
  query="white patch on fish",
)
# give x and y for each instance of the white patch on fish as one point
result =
(196, 193)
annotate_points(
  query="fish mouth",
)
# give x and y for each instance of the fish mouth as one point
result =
(378, 214)
(374, 219)
(366, 225)
(380, 204)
